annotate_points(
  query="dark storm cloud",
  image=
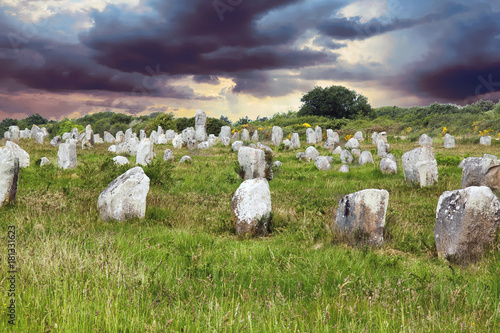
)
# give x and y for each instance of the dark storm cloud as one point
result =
(210, 79)
(463, 61)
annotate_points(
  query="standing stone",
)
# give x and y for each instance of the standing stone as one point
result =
(387, 166)
(425, 140)
(310, 136)
(420, 166)
(319, 134)
(119, 137)
(25, 134)
(125, 197)
(287, 143)
(252, 163)
(34, 131)
(212, 139)
(170, 135)
(359, 136)
(361, 216)
(346, 157)
(21, 154)
(466, 223)
(177, 142)
(352, 144)
(168, 156)
(355, 152)
(255, 136)
(109, 138)
(245, 135)
(145, 152)
(160, 130)
(9, 174)
(480, 171)
(449, 141)
(322, 163)
(295, 141)
(66, 156)
(200, 124)
(225, 135)
(310, 154)
(98, 139)
(142, 135)
(236, 136)
(188, 134)
(39, 136)
(204, 145)
(382, 148)
(251, 208)
(337, 151)
(88, 139)
(75, 133)
(112, 148)
(186, 159)
(264, 147)
(366, 157)
(132, 146)
(237, 145)
(334, 135)
(277, 135)
(44, 161)
(14, 133)
(120, 160)
(485, 140)
(154, 137)
(330, 143)
(383, 136)
(375, 137)
(128, 134)
(344, 168)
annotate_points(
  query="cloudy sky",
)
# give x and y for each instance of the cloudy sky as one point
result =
(241, 57)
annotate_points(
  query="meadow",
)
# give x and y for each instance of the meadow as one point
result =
(183, 269)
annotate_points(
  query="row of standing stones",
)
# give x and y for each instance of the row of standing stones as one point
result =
(467, 219)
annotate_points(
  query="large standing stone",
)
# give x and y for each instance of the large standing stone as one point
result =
(322, 163)
(145, 152)
(382, 148)
(237, 145)
(337, 151)
(383, 136)
(98, 139)
(366, 157)
(295, 141)
(142, 134)
(119, 137)
(200, 124)
(188, 135)
(449, 141)
(319, 134)
(128, 133)
(375, 137)
(330, 143)
(168, 156)
(236, 136)
(251, 207)
(310, 154)
(14, 133)
(169, 135)
(245, 135)
(387, 165)
(88, 139)
(66, 156)
(277, 135)
(466, 223)
(225, 135)
(252, 163)
(39, 137)
(9, 174)
(25, 134)
(255, 136)
(120, 160)
(361, 216)
(125, 197)
(346, 157)
(481, 171)
(359, 136)
(154, 137)
(333, 135)
(109, 138)
(21, 154)
(420, 166)
(177, 142)
(425, 140)
(352, 144)
(485, 140)
(310, 136)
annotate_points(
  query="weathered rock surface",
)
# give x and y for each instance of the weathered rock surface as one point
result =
(277, 135)
(344, 168)
(485, 140)
(225, 135)
(200, 124)
(322, 163)
(251, 207)
(310, 154)
(449, 141)
(56, 141)
(353, 143)
(237, 145)
(310, 136)
(9, 174)
(21, 154)
(255, 136)
(425, 140)
(319, 134)
(388, 165)
(120, 160)
(361, 216)
(186, 159)
(420, 166)
(125, 197)
(168, 156)
(44, 161)
(66, 156)
(295, 141)
(346, 157)
(467, 223)
(245, 135)
(337, 151)
(252, 163)
(145, 152)
(359, 136)
(365, 157)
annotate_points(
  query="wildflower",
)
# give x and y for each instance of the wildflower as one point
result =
(408, 130)
(348, 137)
(306, 125)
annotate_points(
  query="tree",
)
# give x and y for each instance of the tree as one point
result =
(335, 102)
(226, 120)
(165, 120)
(35, 119)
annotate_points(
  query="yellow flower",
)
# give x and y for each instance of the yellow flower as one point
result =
(306, 125)
(260, 128)
(445, 130)
(232, 132)
(408, 130)
(348, 137)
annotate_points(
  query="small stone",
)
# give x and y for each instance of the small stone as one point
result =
(120, 160)
(168, 156)
(322, 163)
(365, 158)
(186, 159)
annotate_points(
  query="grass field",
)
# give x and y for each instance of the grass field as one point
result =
(182, 268)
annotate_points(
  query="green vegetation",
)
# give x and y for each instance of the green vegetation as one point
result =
(182, 269)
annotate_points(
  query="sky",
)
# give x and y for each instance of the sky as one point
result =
(237, 58)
